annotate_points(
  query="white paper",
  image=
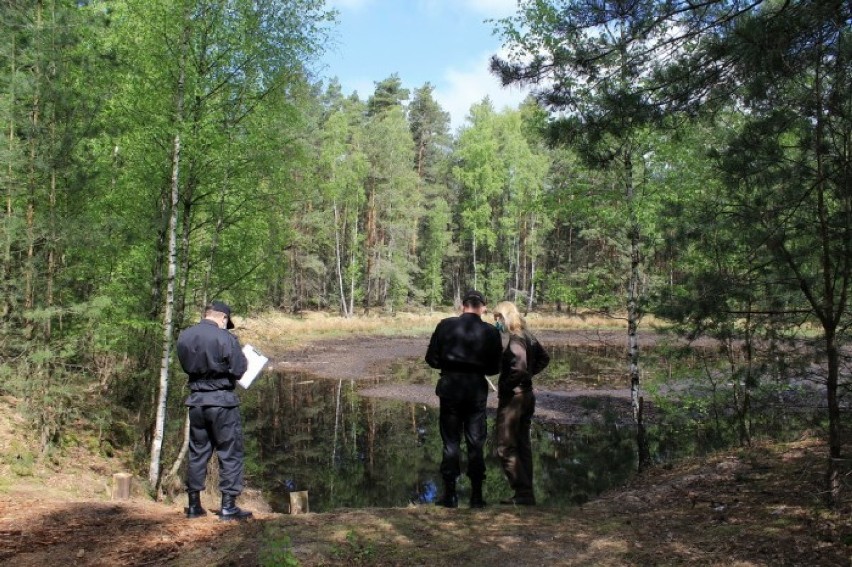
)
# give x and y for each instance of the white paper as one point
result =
(256, 362)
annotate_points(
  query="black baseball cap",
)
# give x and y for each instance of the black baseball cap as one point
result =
(473, 296)
(222, 307)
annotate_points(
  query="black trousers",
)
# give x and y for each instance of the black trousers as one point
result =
(514, 418)
(466, 417)
(219, 428)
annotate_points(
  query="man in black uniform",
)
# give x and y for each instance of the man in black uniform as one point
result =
(212, 357)
(465, 349)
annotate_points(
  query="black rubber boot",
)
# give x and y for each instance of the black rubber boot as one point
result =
(450, 498)
(194, 510)
(476, 500)
(230, 510)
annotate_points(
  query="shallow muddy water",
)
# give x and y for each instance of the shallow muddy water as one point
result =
(350, 451)
(319, 435)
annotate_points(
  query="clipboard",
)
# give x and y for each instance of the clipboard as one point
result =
(256, 362)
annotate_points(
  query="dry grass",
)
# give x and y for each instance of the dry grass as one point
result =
(273, 331)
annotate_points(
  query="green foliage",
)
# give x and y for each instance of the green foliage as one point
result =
(21, 460)
(277, 551)
(436, 246)
(355, 551)
(293, 195)
(559, 292)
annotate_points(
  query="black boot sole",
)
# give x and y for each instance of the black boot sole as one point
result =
(232, 517)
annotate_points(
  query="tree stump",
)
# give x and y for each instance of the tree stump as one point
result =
(299, 502)
(121, 486)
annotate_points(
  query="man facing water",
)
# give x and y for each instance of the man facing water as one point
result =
(465, 349)
(214, 361)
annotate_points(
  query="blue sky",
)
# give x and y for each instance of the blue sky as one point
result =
(444, 42)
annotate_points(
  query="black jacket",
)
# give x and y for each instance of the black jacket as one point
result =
(464, 349)
(214, 361)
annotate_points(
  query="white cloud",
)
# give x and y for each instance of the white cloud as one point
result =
(465, 87)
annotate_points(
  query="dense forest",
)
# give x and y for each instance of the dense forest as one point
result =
(691, 160)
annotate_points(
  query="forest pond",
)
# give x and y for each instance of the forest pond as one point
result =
(352, 451)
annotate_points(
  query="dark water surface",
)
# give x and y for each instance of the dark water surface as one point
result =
(349, 451)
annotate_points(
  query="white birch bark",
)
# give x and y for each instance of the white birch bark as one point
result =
(168, 311)
(634, 314)
(352, 269)
(338, 262)
(532, 267)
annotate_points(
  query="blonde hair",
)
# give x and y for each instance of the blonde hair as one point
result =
(515, 322)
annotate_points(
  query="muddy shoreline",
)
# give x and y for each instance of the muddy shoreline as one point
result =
(370, 357)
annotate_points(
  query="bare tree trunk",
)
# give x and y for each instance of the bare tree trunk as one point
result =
(834, 299)
(372, 239)
(7, 245)
(531, 241)
(352, 269)
(184, 449)
(517, 261)
(532, 285)
(53, 236)
(835, 440)
(336, 422)
(338, 262)
(634, 315)
(168, 322)
(29, 273)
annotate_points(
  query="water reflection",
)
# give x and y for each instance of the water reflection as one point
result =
(351, 451)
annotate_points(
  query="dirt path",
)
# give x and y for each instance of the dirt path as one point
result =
(755, 508)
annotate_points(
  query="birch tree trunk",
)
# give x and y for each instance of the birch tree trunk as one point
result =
(168, 321)
(338, 262)
(336, 422)
(184, 449)
(532, 269)
(352, 269)
(634, 314)
(517, 269)
(372, 239)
